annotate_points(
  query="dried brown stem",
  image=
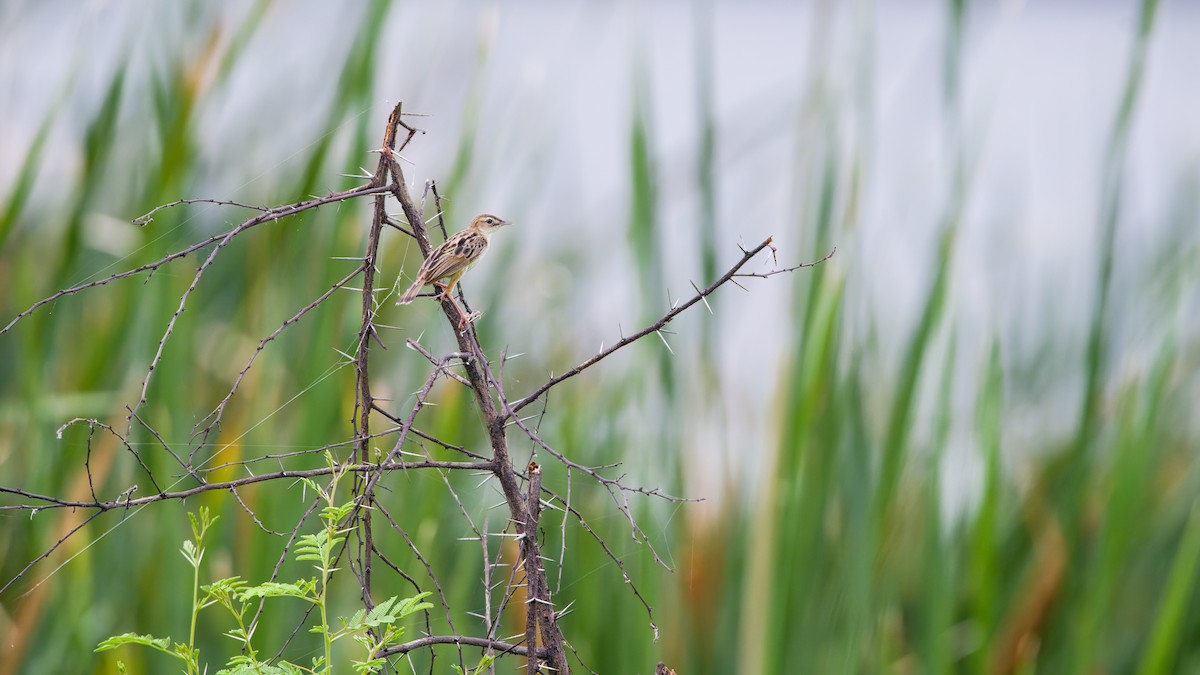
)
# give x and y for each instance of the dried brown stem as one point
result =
(432, 640)
(146, 219)
(747, 256)
(106, 505)
(478, 374)
(269, 216)
(365, 401)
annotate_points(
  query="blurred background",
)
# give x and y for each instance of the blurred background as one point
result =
(965, 443)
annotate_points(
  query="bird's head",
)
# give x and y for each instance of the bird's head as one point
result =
(487, 223)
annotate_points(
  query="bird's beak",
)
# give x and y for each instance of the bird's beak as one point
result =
(504, 222)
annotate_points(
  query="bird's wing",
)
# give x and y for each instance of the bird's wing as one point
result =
(454, 255)
(470, 247)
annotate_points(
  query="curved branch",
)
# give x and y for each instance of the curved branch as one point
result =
(147, 218)
(678, 309)
(273, 214)
(421, 643)
(56, 503)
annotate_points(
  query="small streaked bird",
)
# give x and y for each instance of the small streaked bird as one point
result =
(452, 259)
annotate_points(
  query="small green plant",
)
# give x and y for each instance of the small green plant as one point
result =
(374, 629)
(481, 667)
(193, 552)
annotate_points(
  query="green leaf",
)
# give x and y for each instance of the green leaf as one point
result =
(413, 604)
(192, 553)
(201, 522)
(305, 589)
(336, 514)
(242, 665)
(371, 666)
(484, 662)
(227, 588)
(228, 585)
(380, 614)
(161, 644)
(317, 547)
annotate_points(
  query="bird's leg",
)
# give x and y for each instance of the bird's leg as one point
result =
(463, 317)
(446, 293)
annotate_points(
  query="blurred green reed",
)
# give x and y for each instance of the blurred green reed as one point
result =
(843, 560)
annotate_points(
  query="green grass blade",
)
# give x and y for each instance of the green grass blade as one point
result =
(1096, 359)
(1167, 633)
(19, 195)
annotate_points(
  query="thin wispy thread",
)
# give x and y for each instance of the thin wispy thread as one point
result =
(83, 549)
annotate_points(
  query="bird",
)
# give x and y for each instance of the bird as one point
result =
(453, 258)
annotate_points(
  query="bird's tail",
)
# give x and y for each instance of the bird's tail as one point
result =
(411, 293)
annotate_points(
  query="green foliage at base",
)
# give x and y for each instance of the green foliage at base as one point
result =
(374, 630)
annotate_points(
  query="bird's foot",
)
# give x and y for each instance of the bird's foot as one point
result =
(466, 320)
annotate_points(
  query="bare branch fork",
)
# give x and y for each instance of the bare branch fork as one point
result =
(544, 645)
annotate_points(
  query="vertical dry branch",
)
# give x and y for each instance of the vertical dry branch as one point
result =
(528, 534)
(365, 402)
(538, 606)
(477, 368)
(525, 519)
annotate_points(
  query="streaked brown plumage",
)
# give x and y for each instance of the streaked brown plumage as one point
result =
(453, 258)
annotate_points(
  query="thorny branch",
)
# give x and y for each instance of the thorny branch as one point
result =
(747, 256)
(271, 215)
(544, 644)
(44, 502)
